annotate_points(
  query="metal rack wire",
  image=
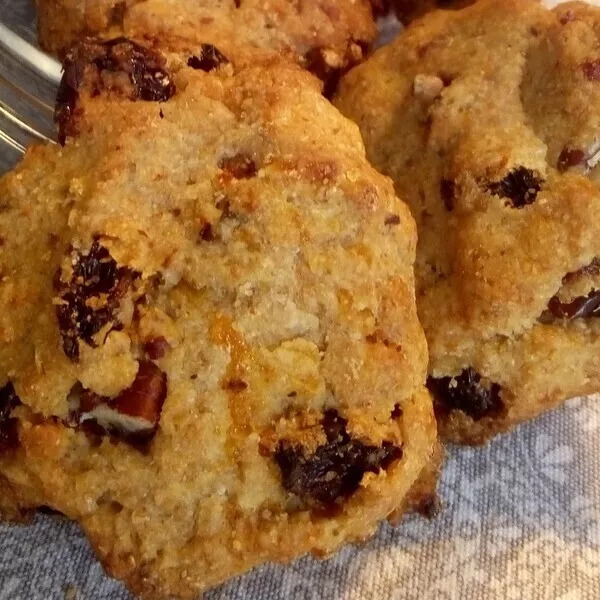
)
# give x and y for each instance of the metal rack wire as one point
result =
(28, 81)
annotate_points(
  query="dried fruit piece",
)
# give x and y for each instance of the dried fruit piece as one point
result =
(468, 392)
(333, 472)
(570, 157)
(210, 58)
(156, 347)
(583, 307)
(520, 186)
(448, 192)
(9, 435)
(591, 69)
(101, 65)
(90, 299)
(239, 166)
(133, 414)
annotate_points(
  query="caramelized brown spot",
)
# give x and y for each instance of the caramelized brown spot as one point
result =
(467, 392)
(333, 472)
(156, 347)
(209, 59)
(9, 434)
(236, 385)
(90, 299)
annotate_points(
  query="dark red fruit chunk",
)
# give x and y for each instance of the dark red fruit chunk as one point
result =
(210, 58)
(583, 307)
(9, 435)
(520, 186)
(92, 60)
(570, 157)
(333, 472)
(447, 192)
(238, 166)
(95, 276)
(468, 392)
(591, 69)
(156, 347)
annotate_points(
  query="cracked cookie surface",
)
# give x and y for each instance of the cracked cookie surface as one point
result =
(210, 355)
(487, 120)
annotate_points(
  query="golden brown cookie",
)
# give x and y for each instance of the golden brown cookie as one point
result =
(210, 355)
(487, 120)
(325, 36)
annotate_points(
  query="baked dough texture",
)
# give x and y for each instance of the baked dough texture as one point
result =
(325, 36)
(487, 120)
(210, 355)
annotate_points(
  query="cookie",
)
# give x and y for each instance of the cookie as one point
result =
(325, 36)
(210, 352)
(487, 119)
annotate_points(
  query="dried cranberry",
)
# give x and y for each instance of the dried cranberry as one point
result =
(9, 435)
(95, 276)
(570, 157)
(156, 347)
(520, 186)
(583, 307)
(210, 58)
(467, 392)
(238, 166)
(447, 192)
(591, 69)
(148, 79)
(335, 469)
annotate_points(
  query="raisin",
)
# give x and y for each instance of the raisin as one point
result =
(570, 157)
(238, 166)
(591, 69)
(95, 276)
(448, 192)
(520, 186)
(392, 219)
(9, 435)
(148, 79)
(583, 307)
(335, 469)
(210, 58)
(468, 392)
